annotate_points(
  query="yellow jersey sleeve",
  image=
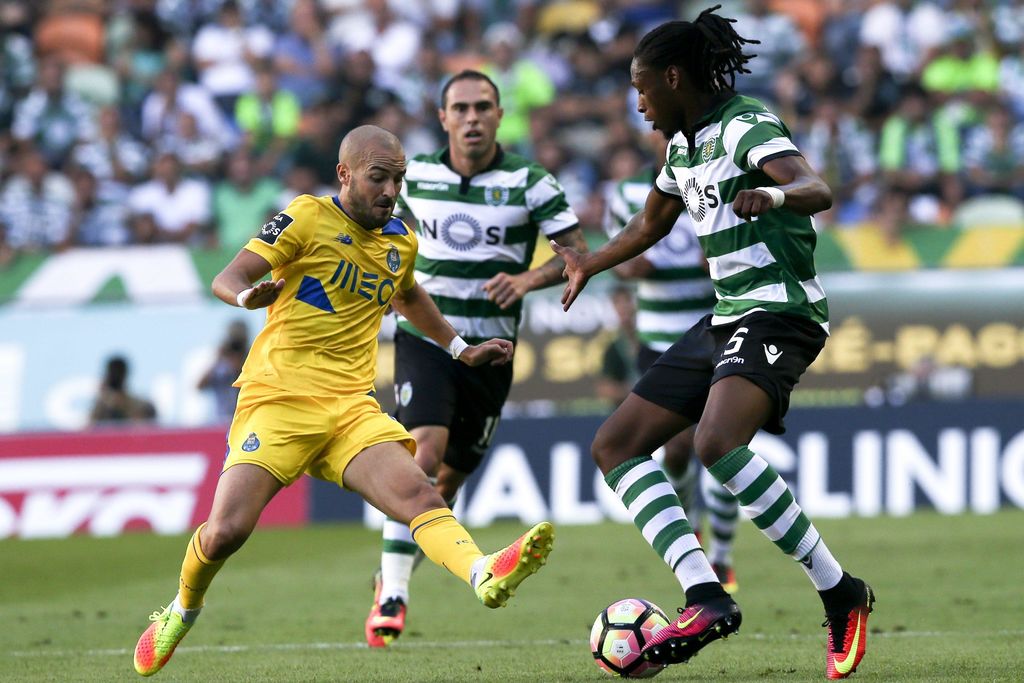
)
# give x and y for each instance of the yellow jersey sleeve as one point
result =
(408, 278)
(285, 236)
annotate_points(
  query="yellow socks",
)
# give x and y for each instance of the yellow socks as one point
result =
(445, 541)
(197, 571)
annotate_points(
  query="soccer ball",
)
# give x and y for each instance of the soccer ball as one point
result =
(620, 633)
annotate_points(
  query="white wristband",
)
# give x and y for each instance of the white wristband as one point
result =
(243, 296)
(777, 195)
(456, 346)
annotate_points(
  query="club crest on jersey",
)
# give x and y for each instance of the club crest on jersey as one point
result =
(403, 393)
(496, 195)
(251, 443)
(394, 259)
(461, 232)
(343, 238)
(707, 150)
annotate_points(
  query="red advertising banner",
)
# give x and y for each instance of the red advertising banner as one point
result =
(105, 483)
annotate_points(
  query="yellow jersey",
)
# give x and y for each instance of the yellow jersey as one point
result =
(320, 338)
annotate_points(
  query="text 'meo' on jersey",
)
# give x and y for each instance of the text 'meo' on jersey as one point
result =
(321, 334)
(766, 264)
(677, 292)
(471, 229)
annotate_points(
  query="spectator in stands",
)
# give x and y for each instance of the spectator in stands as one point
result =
(317, 146)
(356, 93)
(17, 59)
(71, 32)
(420, 85)
(51, 117)
(1011, 77)
(993, 154)
(303, 57)
(99, 217)
(876, 93)
(841, 150)
(143, 50)
(114, 404)
(919, 155)
(301, 180)
(905, 32)
(391, 41)
(243, 202)
(416, 138)
(781, 42)
(268, 118)
(840, 32)
(170, 97)
(523, 85)
(170, 208)
(961, 69)
(226, 368)
(113, 155)
(224, 52)
(591, 99)
(618, 362)
(36, 207)
(199, 152)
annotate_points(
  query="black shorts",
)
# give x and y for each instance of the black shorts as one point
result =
(432, 389)
(769, 349)
(645, 357)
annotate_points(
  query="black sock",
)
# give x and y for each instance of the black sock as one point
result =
(843, 596)
(703, 592)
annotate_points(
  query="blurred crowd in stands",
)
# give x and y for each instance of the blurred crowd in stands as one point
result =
(190, 121)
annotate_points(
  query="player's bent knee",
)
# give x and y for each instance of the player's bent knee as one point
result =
(609, 450)
(711, 444)
(222, 539)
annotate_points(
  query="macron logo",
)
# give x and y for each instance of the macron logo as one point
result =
(772, 353)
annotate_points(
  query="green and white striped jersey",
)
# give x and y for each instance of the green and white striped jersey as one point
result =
(678, 292)
(471, 229)
(766, 264)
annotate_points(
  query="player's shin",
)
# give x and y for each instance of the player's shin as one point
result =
(766, 499)
(655, 509)
(445, 542)
(397, 560)
(723, 515)
(197, 572)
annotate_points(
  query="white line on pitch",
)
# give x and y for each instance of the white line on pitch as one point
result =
(409, 645)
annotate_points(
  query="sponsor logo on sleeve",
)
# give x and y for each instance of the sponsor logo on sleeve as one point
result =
(273, 228)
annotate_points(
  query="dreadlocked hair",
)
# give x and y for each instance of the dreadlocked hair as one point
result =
(708, 49)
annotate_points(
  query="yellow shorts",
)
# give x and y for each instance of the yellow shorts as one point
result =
(287, 434)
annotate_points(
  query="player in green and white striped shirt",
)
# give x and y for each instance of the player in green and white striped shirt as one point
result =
(478, 211)
(750, 194)
(673, 294)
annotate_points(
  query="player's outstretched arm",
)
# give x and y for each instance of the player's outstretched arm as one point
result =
(644, 229)
(233, 285)
(799, 188)
(418, 308)
(505, 289)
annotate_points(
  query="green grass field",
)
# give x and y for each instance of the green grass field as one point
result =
(290, 607)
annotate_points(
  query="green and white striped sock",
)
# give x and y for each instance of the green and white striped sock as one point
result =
(397, 557)
(723, 516)
(654, 506)
(768, 502)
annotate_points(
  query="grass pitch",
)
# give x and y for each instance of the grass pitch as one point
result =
(290, 607)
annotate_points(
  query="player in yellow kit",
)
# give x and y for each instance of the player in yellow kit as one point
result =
(306, 403)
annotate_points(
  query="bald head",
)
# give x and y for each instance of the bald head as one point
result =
(366, 141)
(371, 167)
